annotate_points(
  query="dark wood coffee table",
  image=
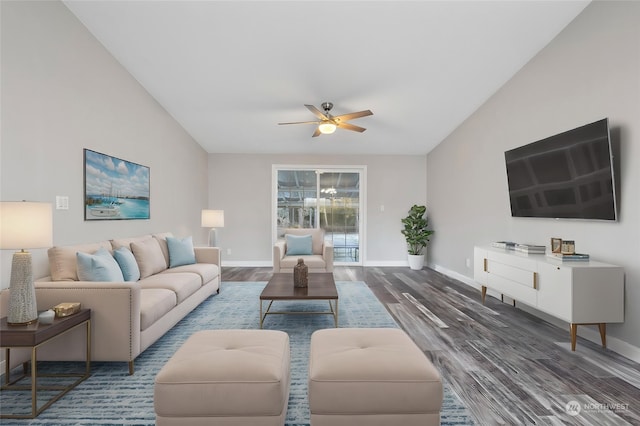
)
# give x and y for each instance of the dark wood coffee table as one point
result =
(280, 287)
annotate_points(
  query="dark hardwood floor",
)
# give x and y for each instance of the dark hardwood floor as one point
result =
(507, 366)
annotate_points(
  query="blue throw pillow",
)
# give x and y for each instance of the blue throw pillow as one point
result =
(128, 264)
(100, 266)
(180, 251)
(298, 245)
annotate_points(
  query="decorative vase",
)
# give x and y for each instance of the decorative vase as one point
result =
(300, 274)
(416, 261)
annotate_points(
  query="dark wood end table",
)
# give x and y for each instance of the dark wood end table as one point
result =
(280, 287)
(33, 336)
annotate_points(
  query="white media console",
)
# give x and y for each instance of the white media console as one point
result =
(579, 292)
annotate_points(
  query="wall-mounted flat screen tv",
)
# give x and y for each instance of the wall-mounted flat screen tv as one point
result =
(569, 175)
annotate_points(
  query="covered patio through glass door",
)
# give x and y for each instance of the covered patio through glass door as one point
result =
(324, 198)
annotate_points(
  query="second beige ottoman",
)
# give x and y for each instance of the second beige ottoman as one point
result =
(373, 377)
(225, 377)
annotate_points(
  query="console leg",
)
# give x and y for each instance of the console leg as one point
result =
(574, 336)
(603, 333)
(484, 293)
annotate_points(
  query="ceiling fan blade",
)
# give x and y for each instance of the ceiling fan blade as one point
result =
(300, 122)
(316, 133)
(349, 126)
(353, 115)
(317, 112)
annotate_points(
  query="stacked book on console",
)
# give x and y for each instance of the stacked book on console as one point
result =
(508, 245)
(574, 256)
(530, 249)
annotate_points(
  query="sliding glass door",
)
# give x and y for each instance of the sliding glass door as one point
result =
(327, 198)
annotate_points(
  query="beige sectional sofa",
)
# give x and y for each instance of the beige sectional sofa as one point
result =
(126, 317)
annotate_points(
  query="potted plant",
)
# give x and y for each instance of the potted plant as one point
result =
(417, 235)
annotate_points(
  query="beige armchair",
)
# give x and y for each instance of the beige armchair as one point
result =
(320, 259)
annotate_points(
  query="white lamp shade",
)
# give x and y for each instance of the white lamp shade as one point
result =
(25, 225)
(213, 218)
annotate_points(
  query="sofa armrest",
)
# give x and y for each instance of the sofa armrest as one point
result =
(279, 249)
(208, 255)
(327, 255)
(115, 319)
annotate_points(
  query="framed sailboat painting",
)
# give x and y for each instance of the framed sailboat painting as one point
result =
(114, 189)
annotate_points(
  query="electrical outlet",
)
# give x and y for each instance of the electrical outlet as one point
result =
(229, 251)
(468, 263)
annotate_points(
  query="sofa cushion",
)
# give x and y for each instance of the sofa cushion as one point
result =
(313, 262)
(154, 304)
(180, 251)
(298, 245)
(127, 262)
(162, 240)
(149, 256)
(100, 266)
(206, 271)
(63, 261)
(126, 242)
(183, 284)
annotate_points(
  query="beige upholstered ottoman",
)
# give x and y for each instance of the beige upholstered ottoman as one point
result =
(225, 377)
(373, 377)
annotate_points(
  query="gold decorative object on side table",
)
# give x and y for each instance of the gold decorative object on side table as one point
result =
(66, 309)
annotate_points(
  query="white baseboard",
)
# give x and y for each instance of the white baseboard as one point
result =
(592, 334)
(268, 263)
(247, 263)
(388, 263)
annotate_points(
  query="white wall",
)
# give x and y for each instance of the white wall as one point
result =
(241, 186)
(590, 71)
(62, 92)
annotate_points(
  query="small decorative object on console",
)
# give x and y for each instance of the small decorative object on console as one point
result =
(568, 247)
(300, 274)
(66, 309)
(46, 317)
(556, 245)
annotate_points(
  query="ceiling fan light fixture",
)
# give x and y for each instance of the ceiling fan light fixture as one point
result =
(327, 128)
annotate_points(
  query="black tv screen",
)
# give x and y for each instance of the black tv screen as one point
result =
(569, 175)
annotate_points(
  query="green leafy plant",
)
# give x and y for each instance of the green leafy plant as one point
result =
(416, 230)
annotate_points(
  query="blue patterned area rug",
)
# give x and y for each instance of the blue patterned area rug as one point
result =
(111, 397)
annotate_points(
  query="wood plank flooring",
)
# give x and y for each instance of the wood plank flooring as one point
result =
(507, 366)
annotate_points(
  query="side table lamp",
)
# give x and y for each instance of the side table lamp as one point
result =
(212, 219)
(24, 225)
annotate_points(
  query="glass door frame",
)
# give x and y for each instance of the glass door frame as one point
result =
(361, 170)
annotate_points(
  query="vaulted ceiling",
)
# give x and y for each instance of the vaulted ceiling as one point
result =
(229, 71)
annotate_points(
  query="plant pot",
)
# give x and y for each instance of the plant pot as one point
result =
(416, 261)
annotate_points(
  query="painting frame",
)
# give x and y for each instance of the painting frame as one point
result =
(556, 245)
(115, 189)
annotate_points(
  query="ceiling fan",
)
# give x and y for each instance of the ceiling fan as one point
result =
(328, 123)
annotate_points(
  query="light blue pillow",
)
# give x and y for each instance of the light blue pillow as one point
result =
(180, 251)
(298, 245)
(128, 264)
(100, 266)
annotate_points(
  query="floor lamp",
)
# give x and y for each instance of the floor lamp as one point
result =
(24, 225)
(212, 219)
